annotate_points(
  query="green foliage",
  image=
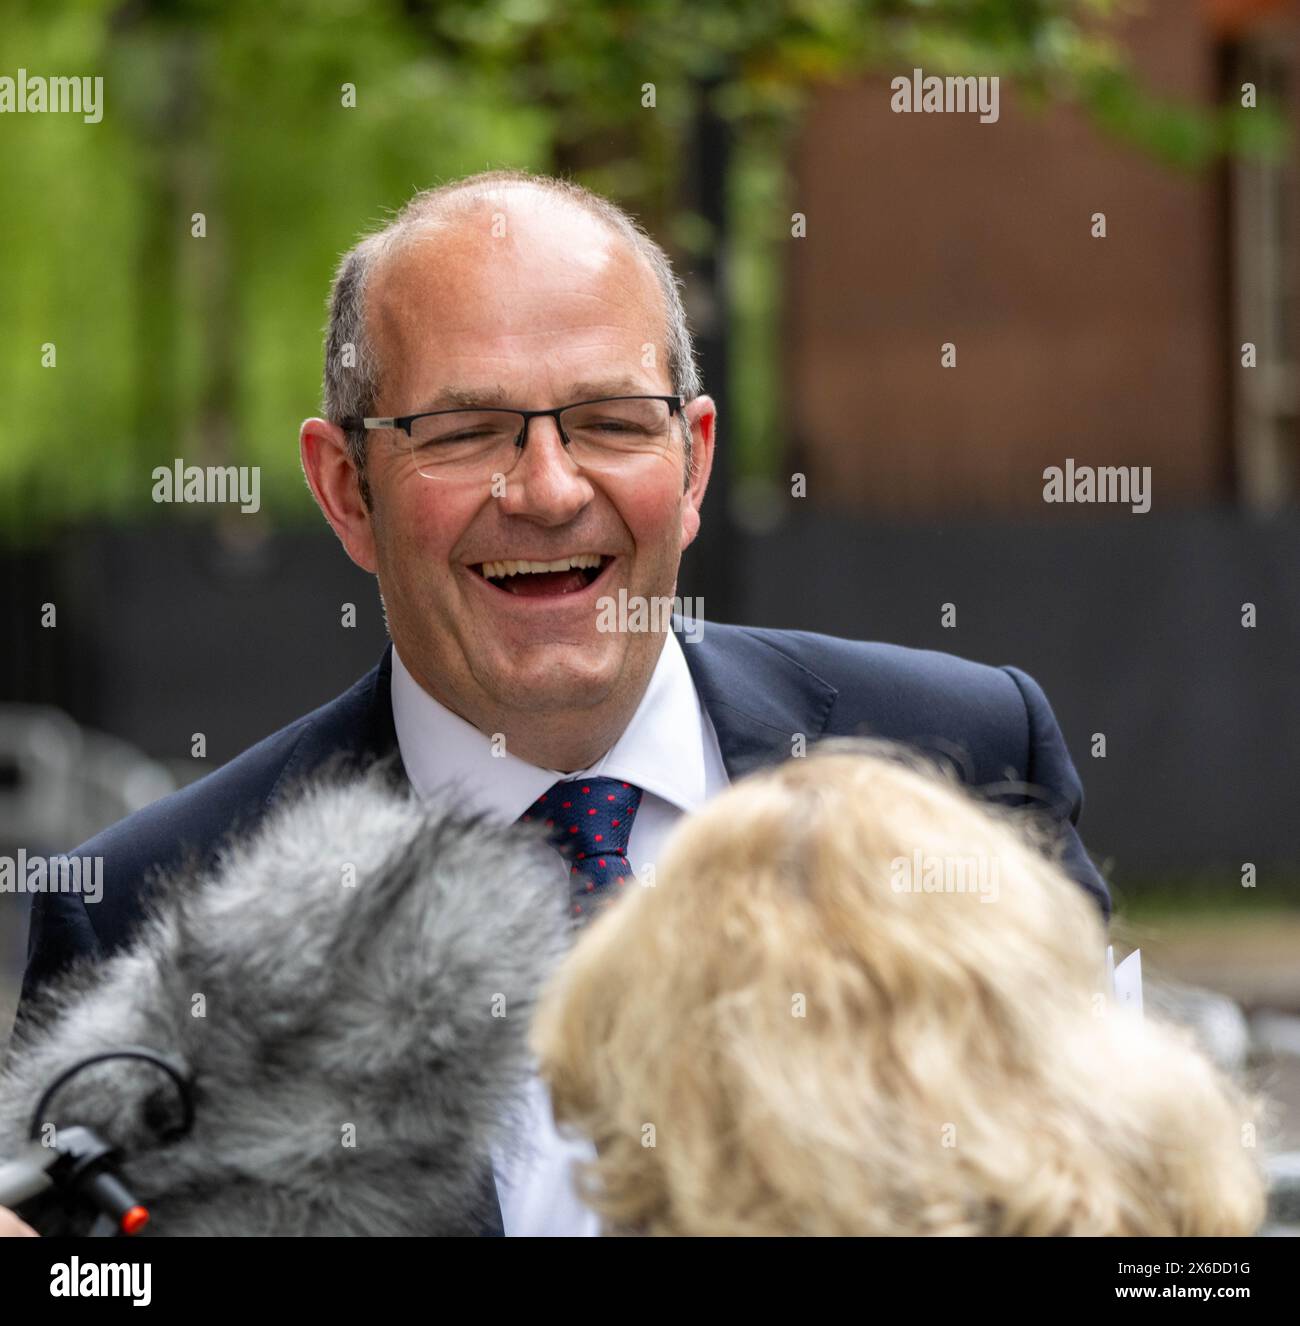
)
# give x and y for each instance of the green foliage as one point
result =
(170, 345)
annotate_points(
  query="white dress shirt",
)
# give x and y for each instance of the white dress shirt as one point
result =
(670, 750)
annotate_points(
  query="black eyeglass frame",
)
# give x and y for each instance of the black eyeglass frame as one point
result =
(405, 421)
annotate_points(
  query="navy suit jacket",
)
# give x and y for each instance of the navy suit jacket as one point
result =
(760, 687)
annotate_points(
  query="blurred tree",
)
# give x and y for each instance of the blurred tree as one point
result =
(173, 345)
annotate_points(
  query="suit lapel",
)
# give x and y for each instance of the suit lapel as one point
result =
(757, 697)
(352, 731)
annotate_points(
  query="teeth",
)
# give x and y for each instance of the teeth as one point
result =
(498, 570)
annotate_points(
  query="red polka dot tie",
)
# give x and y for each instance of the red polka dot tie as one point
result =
(590, 820)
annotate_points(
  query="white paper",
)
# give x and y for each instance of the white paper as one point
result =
(1126, 979)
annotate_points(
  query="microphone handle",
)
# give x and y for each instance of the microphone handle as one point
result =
(25, 1176)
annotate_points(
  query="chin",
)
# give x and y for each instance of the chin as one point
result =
(560, 676)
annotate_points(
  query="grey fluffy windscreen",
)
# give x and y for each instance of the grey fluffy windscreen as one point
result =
(351, 988)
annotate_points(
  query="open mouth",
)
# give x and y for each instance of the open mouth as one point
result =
(551, 579)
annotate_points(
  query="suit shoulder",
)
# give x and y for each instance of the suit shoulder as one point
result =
(193, 815)
(850, 664)
(198, 816)
(993, 724)
(186, 826)
(189, 827)
(970, 712)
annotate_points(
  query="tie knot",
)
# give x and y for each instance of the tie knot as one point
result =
(590, 821)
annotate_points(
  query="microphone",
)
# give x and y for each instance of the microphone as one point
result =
(349, 991)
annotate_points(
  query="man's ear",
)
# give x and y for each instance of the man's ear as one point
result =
(702, 416)
(335, 484)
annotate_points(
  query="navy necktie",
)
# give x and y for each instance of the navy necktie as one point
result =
(590, 820)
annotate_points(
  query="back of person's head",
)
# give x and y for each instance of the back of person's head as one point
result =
(856, 1001)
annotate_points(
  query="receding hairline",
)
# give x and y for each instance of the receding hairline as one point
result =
(446, 208)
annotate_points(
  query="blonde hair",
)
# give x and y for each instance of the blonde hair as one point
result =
(793, 1032)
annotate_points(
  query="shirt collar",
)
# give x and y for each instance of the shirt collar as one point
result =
(661, 750)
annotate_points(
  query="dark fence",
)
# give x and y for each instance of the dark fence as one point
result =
(1133, 625)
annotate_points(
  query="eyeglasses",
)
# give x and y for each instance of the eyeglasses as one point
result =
(603, 434)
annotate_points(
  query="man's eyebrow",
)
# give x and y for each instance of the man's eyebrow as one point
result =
(457, 398)
(467, 398)
(593, 391)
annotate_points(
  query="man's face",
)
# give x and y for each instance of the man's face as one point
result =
(554, 311)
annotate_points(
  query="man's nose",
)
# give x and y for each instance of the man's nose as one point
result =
(545, 484)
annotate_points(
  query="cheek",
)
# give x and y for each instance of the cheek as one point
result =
(651, 508)
(418, 532)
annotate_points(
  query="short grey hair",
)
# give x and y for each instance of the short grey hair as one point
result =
(351, 390)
